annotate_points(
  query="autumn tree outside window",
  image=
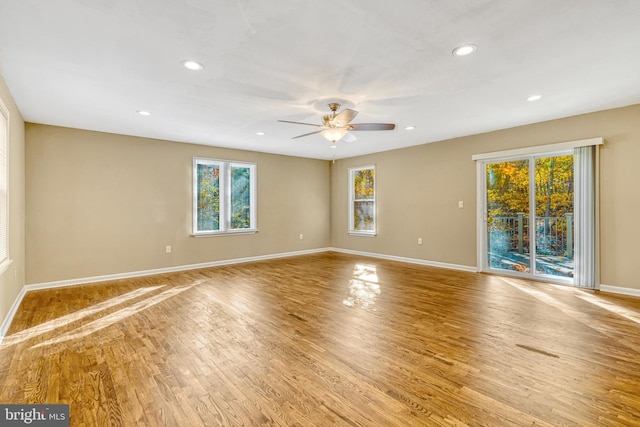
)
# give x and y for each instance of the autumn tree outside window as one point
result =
(362, 201)
(224, 197)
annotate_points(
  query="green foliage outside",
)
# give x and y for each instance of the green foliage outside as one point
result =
(240, 197)
(208, 197)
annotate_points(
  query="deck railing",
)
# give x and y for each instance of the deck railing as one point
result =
(554, 235)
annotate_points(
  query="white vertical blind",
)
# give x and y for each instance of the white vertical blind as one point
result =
(584, 204)
(4, 126)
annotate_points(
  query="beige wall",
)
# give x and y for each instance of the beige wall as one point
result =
(418, 190)
(101, 204)
(12, 280)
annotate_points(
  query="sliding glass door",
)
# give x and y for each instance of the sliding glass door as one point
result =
(507, 207)
(529, 215)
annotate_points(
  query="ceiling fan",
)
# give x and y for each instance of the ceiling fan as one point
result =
(337, 126)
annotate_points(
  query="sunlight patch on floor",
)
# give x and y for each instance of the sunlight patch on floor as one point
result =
(363, 287)
(586, 319)
(609, 306)
(50, 325)
(549, 300)
(536, 293)
(585, 296)
(115, 317)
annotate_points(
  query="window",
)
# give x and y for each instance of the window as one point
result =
(362, 201)
(224, 197)
(538, 213)
(530, 214)
(4, 222)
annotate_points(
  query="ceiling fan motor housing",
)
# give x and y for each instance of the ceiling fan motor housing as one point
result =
(328, 121)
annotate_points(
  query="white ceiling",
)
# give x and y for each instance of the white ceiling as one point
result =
(91, 64)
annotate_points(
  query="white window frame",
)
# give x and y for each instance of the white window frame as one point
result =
(483, 258)
(225, 167)
(352, 200)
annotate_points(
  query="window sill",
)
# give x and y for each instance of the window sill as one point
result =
(223, 233)
(362, 233)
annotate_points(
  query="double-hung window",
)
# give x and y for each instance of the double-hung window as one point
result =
(224, 197)
(362, 201)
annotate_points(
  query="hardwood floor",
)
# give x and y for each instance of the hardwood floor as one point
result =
(327, 339)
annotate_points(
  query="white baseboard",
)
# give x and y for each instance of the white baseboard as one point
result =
(12, 312)
(620, 290)
(96, 279)
(108, 277)
(128, 275)
(468, 268)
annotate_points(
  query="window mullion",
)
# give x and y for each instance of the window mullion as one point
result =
(533, 220)
(225, 192)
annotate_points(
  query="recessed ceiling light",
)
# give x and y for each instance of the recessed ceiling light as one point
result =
(465, 49)
(534, 98)
(143, 113)
(259, 133)
(409, 127)
(192, 65)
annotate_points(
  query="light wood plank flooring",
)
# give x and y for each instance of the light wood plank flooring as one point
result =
(323, 340)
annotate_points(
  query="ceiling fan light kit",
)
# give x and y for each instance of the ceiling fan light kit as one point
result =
(334, 135)
(337, 125)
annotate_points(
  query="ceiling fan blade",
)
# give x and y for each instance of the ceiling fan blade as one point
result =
(299, 123)
(349, 137)
(372, 126)
(345, 116)
(306, 134)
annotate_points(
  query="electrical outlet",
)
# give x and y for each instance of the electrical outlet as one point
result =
(460, 204)
(301, 236)
(167, 249)
(419, 240)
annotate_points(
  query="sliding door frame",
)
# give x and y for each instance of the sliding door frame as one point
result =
(481, 193)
